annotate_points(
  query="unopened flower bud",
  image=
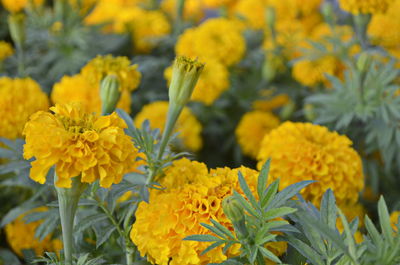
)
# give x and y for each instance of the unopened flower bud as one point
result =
(185, 73)
(363, 62)
(288, 110)
(16, 24)
(233, 209)
(309, 112)
(328, 13)
(109, 93)
(270, 15)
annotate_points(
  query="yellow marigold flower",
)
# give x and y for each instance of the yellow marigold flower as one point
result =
(101, 66)
(252, 128)
(6, 50)
(77, 88)
(365, 6)
(294, 9)
(19, 98)
(303, 151)
(188, 127)
(271, 104)
(192, 196)
(312, 72)
(289, 34)
(394, 219)
(78, 144)
(252, 11)
(216, 39)
(193, 9)
(14, 6)
(382, 28)
(214, 80)
(21, 236)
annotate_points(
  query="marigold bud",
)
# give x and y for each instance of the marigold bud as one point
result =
(233, 209)
(363, 62)
(109, 93)
(185, 73)
(16, 24)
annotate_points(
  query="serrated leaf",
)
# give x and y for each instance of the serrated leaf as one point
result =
(245, 204)
(269, 193)
(214, 230)
(89, 221)
(222, 228)
(212, 246)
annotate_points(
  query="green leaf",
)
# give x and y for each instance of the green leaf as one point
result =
(212, 246)
(214, 230)
(89, 221)
(277, 212)
(269, 194)
(202, 238)
(268, 254)
(47, 227)
(246, 205)
(328, 209)
(306, 251)
(263, 179)
(288, 193)
(373, 232)
(384, 219)
(349, 237)
(246, 190)
(104, 233)
(7, 257)
(222, 228)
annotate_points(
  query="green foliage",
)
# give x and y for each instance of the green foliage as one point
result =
(259, 223)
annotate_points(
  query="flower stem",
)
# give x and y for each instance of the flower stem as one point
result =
(68, 199)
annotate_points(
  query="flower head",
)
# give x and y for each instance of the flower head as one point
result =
(216, 39)
(252, 128)
(192, 196)
(21, 236)
(19, 98)
(6, 50)
(303, 151)
(394, 219)
(78, 144)
(188, 126)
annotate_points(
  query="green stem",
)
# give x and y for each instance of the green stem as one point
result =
(21, 61)
(180, 5)
(361, 25)
(68, 199)
(173, 113)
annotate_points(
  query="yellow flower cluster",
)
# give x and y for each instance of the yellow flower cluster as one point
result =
(192, 196)
(218, 3)
(85, 86)
(383, 29)
(311, 72)
(21, 236)
(145, 26)
(357, 7)
(14, 6)
(215, 39)
(303, 151)
(252, 128)
(188, 126)
(78, 144)
(19, 98)
(6, 50)
(214, 80)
